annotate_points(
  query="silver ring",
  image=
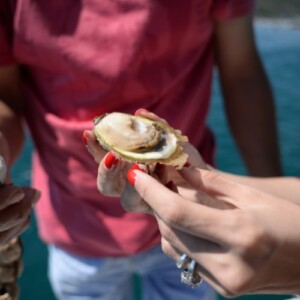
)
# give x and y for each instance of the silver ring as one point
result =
(190, 277)
(182, 260)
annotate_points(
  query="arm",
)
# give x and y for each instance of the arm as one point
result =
(247, 96)
(287, 188)
(11, 110)
(15, 202)
(237, 245)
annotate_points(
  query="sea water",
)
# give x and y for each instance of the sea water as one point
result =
(279, 46)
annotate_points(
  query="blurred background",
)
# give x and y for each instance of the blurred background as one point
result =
(277, 28)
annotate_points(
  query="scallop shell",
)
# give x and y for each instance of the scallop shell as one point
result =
(138, 139)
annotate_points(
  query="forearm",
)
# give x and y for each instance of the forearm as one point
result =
(11, 110)
(11, 128)
(247, 96)
(251, 115)
(287, 188)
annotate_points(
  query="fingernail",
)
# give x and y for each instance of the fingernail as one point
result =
(141, 111)
(18, 196)
(84, 138)
(136, 166)
(187, 164)
(131, 176)
(36, 196)
(110, 160)
(170, 185)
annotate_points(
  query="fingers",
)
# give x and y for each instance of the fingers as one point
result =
(110, 179)
(17, 230)
(194, 157)
(149, 115)
(131, 200)
(11, 252)
(15, 217)
(93, 146)
(215, 183)
(9, 273)
(10, 194)
(188, 243)
(9, 291)
(175, 211)
(207, 267)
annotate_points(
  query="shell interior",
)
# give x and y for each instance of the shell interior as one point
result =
(138, 139)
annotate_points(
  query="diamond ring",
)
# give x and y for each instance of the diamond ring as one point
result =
(190, 277)
(182, 260)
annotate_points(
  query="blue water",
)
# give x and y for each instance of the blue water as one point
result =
(280, 50)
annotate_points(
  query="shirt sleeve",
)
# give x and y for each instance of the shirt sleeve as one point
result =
(6, 49)
(229, 9)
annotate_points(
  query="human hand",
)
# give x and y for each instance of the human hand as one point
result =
(11, 267)
(111, 178)
(15, 207)
(15, 202)
(245, 241)
(133, 202)
(9, 291)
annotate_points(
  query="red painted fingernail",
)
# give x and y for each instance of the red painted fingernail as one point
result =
(110, 160)
(141, 110)
(131, 176)
(170, 185)
(84, 138)
(187, 164)
(135, 166)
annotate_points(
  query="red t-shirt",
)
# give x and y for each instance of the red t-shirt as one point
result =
(84, 58)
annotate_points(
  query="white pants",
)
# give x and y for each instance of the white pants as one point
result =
(79, 278)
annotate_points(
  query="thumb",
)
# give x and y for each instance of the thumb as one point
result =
(4, 158)
(4, 149)
(214, 183)
(151, 190)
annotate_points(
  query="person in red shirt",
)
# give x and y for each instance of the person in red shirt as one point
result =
(64, 62)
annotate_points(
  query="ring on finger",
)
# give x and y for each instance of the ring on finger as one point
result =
(183, 259)
(190, 277)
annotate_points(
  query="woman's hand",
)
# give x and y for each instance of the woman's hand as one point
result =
(111, 179)
(245, 241)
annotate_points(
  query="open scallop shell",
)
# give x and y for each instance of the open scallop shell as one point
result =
(138, 139)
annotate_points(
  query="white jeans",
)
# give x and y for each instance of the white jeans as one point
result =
(79, 278)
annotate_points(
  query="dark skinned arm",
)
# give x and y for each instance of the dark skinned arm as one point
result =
(11, 110)
(248, 97)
